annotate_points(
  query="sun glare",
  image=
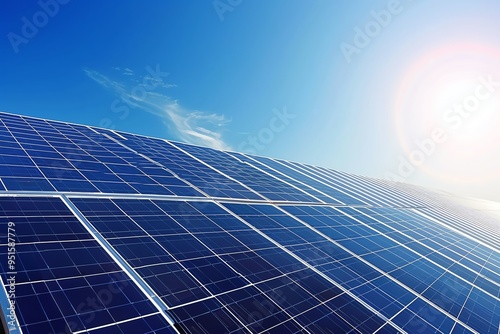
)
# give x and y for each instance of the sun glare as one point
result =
(452, 89)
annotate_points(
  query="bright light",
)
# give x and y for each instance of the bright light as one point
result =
(454, 89)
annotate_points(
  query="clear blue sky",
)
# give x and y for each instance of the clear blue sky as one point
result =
(369, 87)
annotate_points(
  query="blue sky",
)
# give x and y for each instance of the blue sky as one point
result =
(406, 90)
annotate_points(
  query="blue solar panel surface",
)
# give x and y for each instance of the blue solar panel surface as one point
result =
(64, 280)
(121, 233)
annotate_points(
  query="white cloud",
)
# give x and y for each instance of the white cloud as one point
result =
(104, 80)
(128, 71)
(197, 127)
(190, 126)
(158, 82)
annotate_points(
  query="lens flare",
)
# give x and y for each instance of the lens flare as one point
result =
(452, 88)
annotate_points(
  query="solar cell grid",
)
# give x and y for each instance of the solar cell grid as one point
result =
(344, 184)
(81, 160)
(266, 185)
(316, 184)
(205, 267)
(310, 190)
(424, 231)
(417, 275)
(445, 217)
(62, 270)
(203, 177)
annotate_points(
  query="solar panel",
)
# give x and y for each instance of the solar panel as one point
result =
(319, 185)
(198, 174)
(64, 280)
(111, 232)
(267, 185)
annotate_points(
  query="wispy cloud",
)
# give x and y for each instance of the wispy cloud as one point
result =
(128, 71)
(124, 71)
(197, 127)
(191, 126)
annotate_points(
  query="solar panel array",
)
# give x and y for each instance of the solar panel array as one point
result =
(121, 233)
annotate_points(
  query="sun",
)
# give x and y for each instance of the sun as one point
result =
(455, 89)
